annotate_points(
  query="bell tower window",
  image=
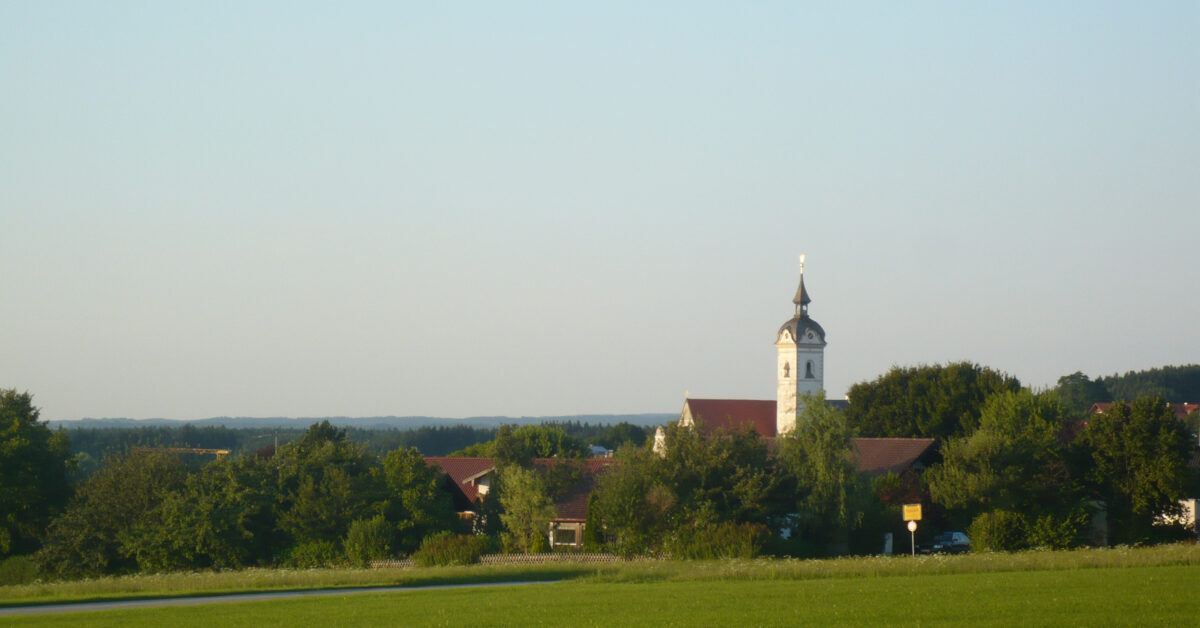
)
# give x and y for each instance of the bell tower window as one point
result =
(808, 370)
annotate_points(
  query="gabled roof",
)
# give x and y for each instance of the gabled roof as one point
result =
(731, 414)
(464, 472)
(877, 456)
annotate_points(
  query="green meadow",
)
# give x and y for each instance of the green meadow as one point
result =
(1151, 586)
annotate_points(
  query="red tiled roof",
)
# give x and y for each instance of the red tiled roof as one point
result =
(881, 455)
(461, 470)
(731, 414)
(573, 505)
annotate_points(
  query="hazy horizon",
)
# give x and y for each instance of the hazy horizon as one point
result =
(374, 209)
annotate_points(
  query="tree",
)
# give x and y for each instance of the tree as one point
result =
(223, 517)
(1014, 464)
(527, 510)
(35, 464)
(1176, 384)
(415, 504)
(1078, 393)
(623, 433)
(632, 502)
(520, 445)
(729, 474)
(95, 535)
(830, 496)
(325, 482)
(925, 401)
(1138, 453)
(593, 526)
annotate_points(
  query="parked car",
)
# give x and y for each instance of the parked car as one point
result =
(948, 543)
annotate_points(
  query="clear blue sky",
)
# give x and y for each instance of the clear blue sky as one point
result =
(458, 209)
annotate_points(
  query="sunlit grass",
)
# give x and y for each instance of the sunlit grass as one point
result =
(212, 582)
(1138, 595)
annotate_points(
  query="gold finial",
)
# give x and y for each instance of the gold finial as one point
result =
(801, 263)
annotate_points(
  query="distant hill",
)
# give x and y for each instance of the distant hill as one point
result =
(375, 423)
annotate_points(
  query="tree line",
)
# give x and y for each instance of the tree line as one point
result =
(1017, 469)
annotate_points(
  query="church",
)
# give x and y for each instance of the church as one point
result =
(800, 370)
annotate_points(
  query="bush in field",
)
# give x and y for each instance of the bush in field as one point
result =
(998, 531)
(369, 539)
(451, 549)
(17, 570)
(312, 554)
(1057, 532)
(726, 539)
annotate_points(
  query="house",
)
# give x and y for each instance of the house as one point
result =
(470, 479)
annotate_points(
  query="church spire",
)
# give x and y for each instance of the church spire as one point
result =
(801, 299)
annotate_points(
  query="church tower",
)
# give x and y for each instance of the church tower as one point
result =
(800, 369)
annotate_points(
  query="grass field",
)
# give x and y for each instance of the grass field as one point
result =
(1148, 586)
(1118, 596)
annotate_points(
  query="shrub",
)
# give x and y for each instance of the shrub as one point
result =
(367, 540)
(727, 539)
(593, 540)
(446, 548)
(998, 531)
(1056, 532)
(17, 570)
(312, 554)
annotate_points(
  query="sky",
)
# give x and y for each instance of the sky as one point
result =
(528, 209)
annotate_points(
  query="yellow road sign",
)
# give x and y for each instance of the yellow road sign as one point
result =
(912, 512)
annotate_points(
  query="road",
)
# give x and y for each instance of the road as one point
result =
(77, 607)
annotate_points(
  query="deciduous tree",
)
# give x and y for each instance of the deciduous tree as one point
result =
(1015, 463)
(925, 401)
(1138, 453)
(35, 464)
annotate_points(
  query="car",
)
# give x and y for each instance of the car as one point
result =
(949, 543)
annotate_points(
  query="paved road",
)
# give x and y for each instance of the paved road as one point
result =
(76, 607)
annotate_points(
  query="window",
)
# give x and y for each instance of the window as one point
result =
(808, 371)
(564, 536)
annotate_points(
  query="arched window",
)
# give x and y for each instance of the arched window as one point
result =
(787, 369)
(808, 371)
